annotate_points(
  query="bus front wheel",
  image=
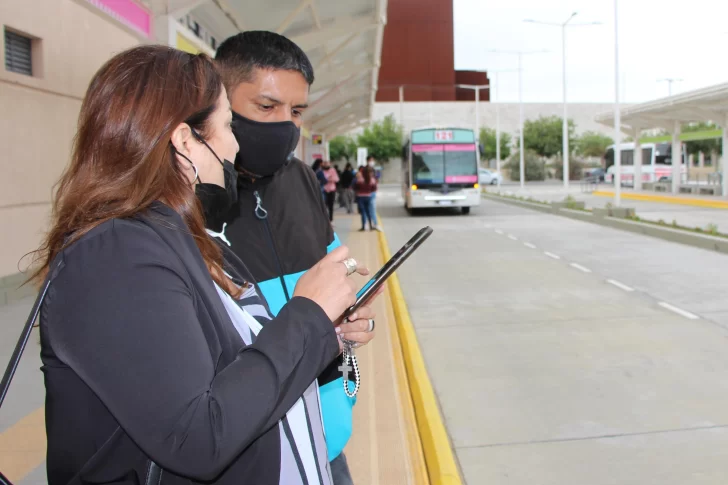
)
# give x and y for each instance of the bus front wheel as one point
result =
(466, 210)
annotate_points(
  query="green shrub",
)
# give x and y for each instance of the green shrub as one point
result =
(535, 170)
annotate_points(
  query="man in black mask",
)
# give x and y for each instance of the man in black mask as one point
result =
(280, 225)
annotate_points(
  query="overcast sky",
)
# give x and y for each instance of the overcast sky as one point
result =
(657, 39)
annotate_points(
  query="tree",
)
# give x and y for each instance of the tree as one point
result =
(383, 139)
(707, 146)
(576, 169)
(534, 166)
(487, 140)
(544, 135)
(592, 144)
(342, 147)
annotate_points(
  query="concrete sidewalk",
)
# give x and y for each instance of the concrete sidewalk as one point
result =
(683, 215)
(385, 446)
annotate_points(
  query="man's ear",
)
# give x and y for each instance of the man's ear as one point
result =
(181, 138)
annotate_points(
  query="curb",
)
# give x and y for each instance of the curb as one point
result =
(442, 468)
(687, 238)
(714, 204)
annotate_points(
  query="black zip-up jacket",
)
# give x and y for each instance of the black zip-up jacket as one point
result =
(280, 228)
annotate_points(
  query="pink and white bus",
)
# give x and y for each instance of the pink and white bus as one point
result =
(441, 169)
(656, 163)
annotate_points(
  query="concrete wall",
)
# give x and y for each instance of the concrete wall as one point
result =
(39, 113)
(418, 114)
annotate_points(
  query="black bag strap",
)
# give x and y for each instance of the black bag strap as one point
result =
(23, 340)
(154, 472)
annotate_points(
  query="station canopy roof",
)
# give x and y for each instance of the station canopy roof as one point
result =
(707, 104)
(342, 38)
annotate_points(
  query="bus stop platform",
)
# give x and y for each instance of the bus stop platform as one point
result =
(690, 211)
(385, 447)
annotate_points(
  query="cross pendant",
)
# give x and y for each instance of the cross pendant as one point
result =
(345, 368)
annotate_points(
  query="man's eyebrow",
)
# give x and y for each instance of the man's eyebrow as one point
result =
(271, 99)
(301, 106)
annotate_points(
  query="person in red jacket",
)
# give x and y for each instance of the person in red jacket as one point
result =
(366, 187)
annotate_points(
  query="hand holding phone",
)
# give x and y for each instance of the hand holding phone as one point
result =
(375, 283)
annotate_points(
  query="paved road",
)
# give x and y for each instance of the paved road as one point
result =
(601, 362)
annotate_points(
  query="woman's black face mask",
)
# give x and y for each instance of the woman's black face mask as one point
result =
(231, 175)
(216, 201)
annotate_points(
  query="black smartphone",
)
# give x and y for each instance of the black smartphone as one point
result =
(390, 267)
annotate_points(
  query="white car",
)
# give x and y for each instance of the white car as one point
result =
(489, 177)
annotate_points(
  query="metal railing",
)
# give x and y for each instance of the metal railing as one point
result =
(590, 184)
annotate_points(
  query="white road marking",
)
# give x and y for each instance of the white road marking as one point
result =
(512, 237)
(488, 226)
(551, 255)
(498, 231)
(619, 285)
(529, 245)
(580, 268)
(679, 311)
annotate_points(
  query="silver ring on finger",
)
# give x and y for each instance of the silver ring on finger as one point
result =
(371, 325)
(351, 266)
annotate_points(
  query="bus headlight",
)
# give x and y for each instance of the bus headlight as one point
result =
(414, 187)
(476, 186)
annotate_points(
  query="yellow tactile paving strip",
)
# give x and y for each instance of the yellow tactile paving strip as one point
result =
(714, 203)
(23, 446)
(385, 447)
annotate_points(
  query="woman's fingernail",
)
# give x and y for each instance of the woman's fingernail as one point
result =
(338, 330)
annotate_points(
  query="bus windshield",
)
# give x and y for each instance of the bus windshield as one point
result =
(439, 164)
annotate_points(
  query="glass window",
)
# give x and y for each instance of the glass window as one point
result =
(461, 166)
(18, 51)
(428, 165)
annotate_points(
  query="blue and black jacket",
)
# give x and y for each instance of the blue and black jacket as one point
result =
(280, 228)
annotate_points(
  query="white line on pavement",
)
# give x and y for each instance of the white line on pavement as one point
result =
(512, 237)
(620, 285)
(529, 245)
(679, 311)
(551, 255)
(498, 231)
(580, 267)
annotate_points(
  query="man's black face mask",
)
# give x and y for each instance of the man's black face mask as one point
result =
(264, 147)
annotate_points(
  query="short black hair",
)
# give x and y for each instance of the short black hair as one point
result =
(370, 157)
(238, 57)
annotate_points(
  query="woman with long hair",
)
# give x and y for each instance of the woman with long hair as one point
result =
(366, 187)
(156, 369)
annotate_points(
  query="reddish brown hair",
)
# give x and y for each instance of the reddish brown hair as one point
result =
(123, 159)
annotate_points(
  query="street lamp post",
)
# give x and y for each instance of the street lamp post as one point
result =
(401, 106)
(565, 130)
(617, 114)
(669, 81)
(477, 89)
(520, 54)
(493, 94)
